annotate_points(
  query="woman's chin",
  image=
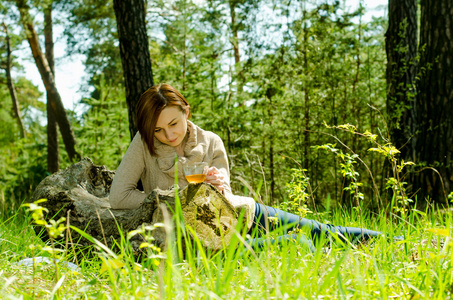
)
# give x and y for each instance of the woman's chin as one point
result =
(174, 143)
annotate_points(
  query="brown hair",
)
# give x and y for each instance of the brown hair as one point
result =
(151, 104)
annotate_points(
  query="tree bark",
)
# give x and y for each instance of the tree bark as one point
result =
(135, 58)
(434, 142)
(10, 83)
(53, 163)
(401, 49)
(49, 82)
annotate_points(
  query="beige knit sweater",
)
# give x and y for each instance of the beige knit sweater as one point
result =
(158, 171)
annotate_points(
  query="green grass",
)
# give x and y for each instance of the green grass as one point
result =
(418, 268)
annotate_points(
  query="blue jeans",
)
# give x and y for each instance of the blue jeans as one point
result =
(287, 222)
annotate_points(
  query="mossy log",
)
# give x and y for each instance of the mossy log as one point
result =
(80, 194)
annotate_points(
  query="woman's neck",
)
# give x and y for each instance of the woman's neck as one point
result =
(180, 148)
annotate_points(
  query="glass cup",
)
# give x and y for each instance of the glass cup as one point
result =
(195, 172)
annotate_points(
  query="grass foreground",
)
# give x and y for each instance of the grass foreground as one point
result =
(419, 267)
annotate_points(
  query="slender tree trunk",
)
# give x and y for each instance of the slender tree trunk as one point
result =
(228, 121)
(306, 100)
(235, 44)
(358, 62)
(53, 163)
(434, 103)
(401, 48)
(10, 83)
(234, 29)
(48, 80)
(184, 65)
(356, 101)
(213, 85)
(134, 51)
(270, 93)
(184, 51)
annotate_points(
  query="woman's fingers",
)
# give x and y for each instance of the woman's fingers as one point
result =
(213, 171)
(215, 178)
(213, 174)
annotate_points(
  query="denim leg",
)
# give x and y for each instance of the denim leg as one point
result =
(288, 221)
(260, 243)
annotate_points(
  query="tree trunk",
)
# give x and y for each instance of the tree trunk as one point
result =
(10, 83)
(270, 93)
(53, 163)
(235, 44)
(401, 48)
(434, 143)
(134, 51)
(48, 80)
(306, 98)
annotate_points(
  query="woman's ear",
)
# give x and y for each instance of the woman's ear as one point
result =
(187, 112)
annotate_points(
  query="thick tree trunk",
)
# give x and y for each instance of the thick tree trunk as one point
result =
(401, 48)
(53, 163)
(10, 83)
(135, 58)
(434, 144)
(49, 82)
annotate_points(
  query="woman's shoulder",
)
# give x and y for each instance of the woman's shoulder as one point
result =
(206, 134)
(137, 137)
(137, 145)
(137, 141)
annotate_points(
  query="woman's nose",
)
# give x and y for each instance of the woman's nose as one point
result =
(168, 135)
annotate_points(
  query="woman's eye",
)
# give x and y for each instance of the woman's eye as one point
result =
(174, 124)
(157, 130)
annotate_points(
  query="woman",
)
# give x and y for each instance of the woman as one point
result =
(165, 131)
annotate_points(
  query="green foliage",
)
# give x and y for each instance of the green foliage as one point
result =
(22, 167)
(54, 229)
(103, 132)
(400, 201)
(298, 194)
(347, 169)
(153, 253)
(300, 64)
(90, 30)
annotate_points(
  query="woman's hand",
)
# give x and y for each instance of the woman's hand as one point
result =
(215, 178)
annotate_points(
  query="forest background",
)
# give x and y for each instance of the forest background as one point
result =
(281, 82)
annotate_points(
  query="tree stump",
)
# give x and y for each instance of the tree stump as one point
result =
(80, 194)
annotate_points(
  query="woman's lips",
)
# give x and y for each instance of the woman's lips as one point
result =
(172, 141)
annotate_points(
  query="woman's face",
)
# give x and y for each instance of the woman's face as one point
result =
(171, 127)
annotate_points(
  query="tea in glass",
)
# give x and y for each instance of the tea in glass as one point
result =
(195, 172)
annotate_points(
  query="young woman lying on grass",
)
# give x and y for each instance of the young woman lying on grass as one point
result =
(165, 131)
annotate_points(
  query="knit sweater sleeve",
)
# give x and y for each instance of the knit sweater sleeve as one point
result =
(124, 193)
(220, 161)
